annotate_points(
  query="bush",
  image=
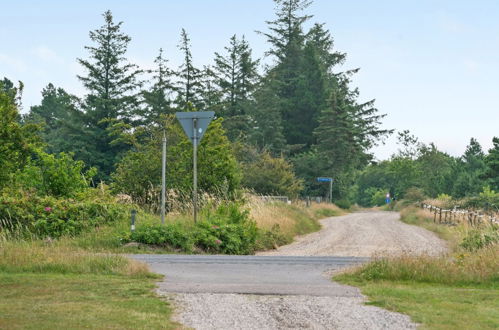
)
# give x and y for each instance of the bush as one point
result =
(55, 175)
(343, 203)
(268, 175)
(271, 239)
(414, 195)
(476, 240)
(227, 230)
(50, 216)
(172, 235)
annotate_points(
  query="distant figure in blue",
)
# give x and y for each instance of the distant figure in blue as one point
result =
(388, 200)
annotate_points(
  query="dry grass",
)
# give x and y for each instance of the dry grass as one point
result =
(481, 267)
(44, 257)
(269, 214)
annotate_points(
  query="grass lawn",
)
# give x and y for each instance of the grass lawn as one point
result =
(436, 306)
(73, 301)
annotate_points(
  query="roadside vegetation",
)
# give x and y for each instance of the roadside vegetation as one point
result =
(45, 285)
(459, 290)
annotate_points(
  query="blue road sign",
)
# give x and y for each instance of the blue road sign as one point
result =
(323, 179)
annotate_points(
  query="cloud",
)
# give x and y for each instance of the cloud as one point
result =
(13, 63)
(46, 54)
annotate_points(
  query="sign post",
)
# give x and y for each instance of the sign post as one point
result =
(194, 125)
(330, 180)
(163, 181)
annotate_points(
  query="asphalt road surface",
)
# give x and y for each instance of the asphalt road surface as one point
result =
(276, 275)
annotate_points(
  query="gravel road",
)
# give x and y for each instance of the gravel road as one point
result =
(364, 234)
(281, 290)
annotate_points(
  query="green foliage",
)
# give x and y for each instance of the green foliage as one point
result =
(492, 163)
(269, 175)
(477, 239)
(17, 141)
(50, 216)
(189, 83)
(227, 230)
(378, 197)
(55, 175)
(111, 83)
(487, 200)
(414, 195)
(138, 174)
(173, 235)
(271, 239)
(62, 122)
(343, 203)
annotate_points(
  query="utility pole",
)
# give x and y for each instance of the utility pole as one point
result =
(163, 181)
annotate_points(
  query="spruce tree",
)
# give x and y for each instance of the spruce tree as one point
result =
(111, 83)
(236, 79)
(492, 162)
(300, 77)
(189, 78)
(157, 100)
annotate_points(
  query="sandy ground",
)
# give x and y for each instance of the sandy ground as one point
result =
(361, 234)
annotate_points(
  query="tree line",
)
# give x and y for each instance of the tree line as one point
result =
(287, 122)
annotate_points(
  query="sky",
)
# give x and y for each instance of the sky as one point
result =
(431, 65)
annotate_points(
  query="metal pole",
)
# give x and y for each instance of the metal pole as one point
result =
(163, 181)
(195, 169)
(331, 191)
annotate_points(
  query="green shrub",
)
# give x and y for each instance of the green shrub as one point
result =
(271, 239)
(50, 216)
(414, 195)
(476, 240)
(343, 203)
(172, 235)
(227, 230)
(55, 175)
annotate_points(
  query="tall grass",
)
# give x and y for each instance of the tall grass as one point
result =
(44, 257)
(458, 267)
(293, 219)
(461, 269)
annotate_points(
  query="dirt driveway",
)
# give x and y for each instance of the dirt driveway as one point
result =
(363, 234)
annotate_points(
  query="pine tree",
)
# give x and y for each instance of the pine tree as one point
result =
(469, 170)
(157, 100)
(189, 84)
(62, 121)
(300, 77)
(237, 75)
(347, 131)
(492, 162)
(236, 79)
(111, 83)
(266, 129)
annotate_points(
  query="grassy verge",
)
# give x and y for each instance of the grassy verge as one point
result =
(281, 223)
(44, 287)
(456, 291)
